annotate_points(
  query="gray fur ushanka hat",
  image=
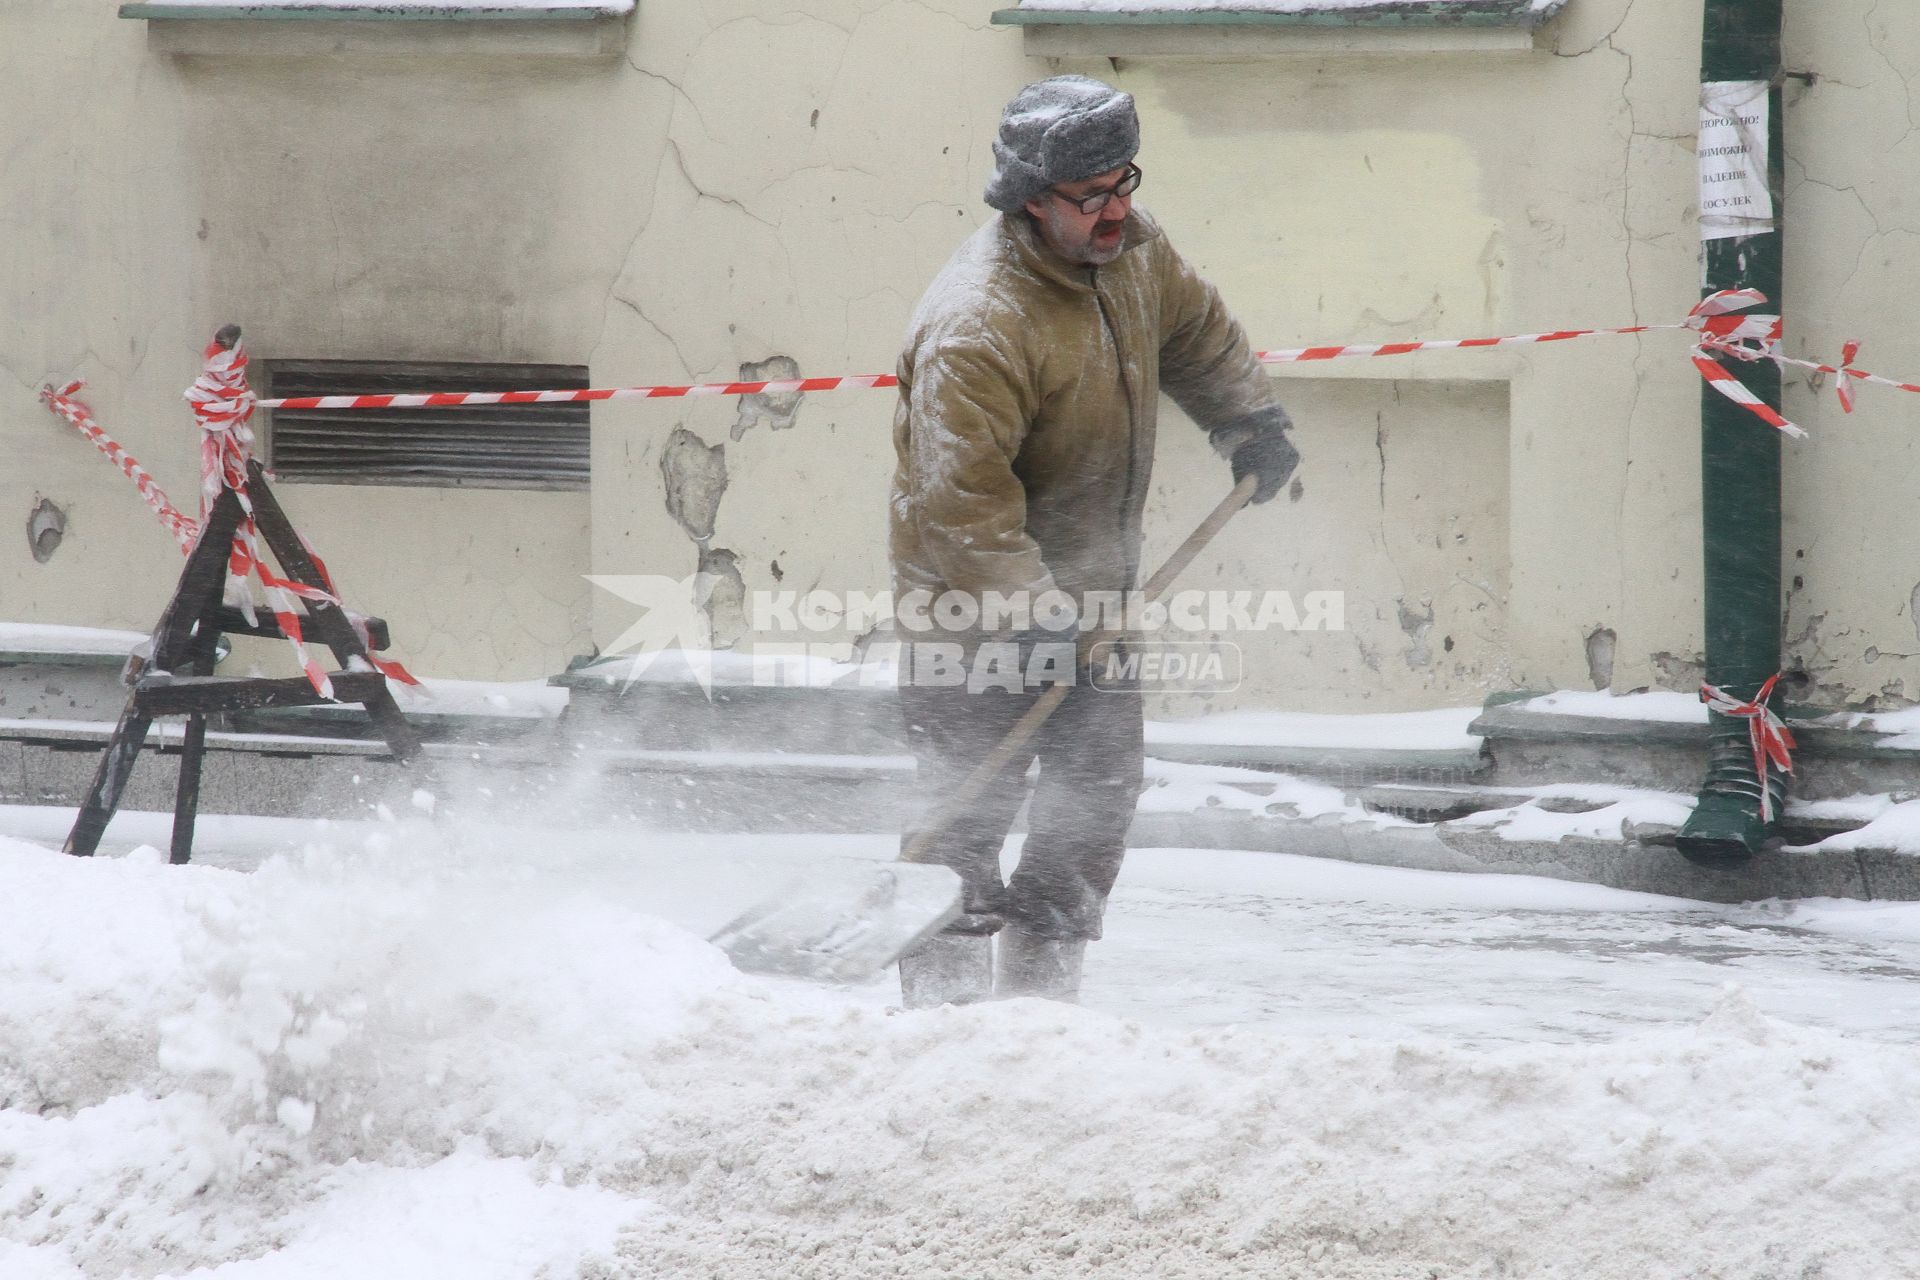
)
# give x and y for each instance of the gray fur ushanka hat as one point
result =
(1060, 130)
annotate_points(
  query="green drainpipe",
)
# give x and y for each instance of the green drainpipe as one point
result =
(1740, 473)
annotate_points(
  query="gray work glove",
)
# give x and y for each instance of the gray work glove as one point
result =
(1269, 455)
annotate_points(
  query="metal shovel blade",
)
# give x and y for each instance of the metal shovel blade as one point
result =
(842, 920)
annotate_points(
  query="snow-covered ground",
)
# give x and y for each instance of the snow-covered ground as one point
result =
(450, 1047)
(1441, 730)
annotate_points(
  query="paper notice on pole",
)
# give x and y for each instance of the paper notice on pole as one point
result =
(1732, 151)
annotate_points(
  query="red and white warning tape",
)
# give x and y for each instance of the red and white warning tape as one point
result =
(1751, 336)
(223, 404)
(1744, 337)
(181, 525)
(1772, 740)
(450, 399)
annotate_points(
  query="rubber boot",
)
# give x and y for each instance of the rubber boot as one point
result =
(949, 968)
(1030, 965)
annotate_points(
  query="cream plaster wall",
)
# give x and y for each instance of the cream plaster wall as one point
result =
(335, 208)
(751, 180)
(1401, 508)
(1853, 256)
(95, 281)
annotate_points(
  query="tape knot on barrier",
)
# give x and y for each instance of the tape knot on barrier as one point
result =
(223, 405)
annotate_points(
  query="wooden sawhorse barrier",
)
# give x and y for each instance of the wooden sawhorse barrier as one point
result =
(177, 678)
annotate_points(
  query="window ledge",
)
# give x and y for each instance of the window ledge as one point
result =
(307, 30)
(1392, 27)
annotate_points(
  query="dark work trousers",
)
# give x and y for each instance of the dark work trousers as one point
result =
(1091, 760)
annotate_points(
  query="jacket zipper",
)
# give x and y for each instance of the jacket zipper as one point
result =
(1133, 431)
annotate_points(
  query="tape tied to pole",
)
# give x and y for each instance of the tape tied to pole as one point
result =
(1772, 741)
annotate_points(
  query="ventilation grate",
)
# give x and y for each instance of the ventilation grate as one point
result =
(504, 446)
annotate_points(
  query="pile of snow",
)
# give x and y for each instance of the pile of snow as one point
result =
(1602, 813)
(1902, 727)
(427, 1051)
(1441, 730)
(517, 699)
(1172, 787)
(49, 637)
(1659, 704)
(1898, 827)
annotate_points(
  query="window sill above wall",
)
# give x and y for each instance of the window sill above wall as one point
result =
(1393, 27)
(312, 30)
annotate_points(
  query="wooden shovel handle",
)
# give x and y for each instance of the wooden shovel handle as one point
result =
(1029, 724)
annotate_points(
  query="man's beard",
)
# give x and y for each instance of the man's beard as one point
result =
(1089, 248)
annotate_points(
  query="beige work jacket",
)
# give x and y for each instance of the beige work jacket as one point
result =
(1028, 395)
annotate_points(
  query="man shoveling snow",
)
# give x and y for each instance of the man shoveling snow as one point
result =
(1024, 432)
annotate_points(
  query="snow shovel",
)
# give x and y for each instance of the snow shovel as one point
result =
(860, 916)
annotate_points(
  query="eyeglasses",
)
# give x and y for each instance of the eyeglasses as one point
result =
(1094, 203)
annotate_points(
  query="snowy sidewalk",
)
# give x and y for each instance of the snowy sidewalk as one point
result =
(436, 1047)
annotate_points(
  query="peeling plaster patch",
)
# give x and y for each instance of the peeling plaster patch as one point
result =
(1417, 625)
(696, 479)
(779, 408)
(1810, 633)
(46, 526)
(1809, 657)
(722, 592)
(1601, 642)
(1808, 647)
(1680, 671)
(1297, 491)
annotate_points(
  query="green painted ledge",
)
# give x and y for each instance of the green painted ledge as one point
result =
(321, 13)
(1410, 13)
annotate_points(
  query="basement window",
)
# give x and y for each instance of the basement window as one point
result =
(502, 446)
